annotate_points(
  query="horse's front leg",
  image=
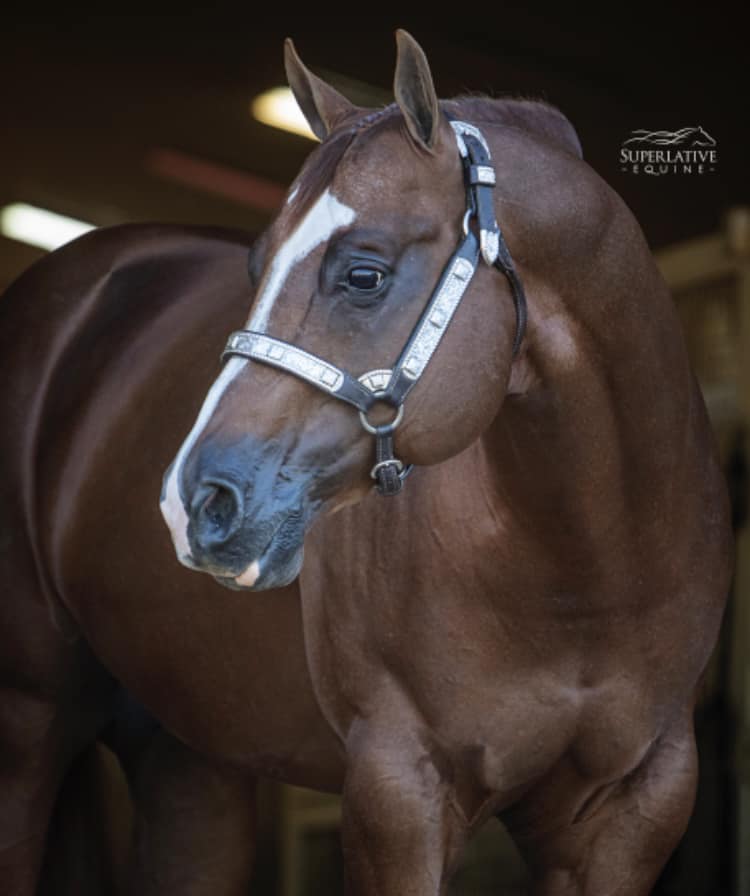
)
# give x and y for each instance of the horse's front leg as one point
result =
(621, 848)
(195, 825)
(402, 833)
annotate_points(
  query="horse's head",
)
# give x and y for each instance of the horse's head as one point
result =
(344, 273)
(702, 138)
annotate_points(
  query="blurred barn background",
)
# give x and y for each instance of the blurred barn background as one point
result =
(123, 117)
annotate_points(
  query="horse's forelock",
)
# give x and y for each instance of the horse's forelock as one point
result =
(320, 167)
(318, 173)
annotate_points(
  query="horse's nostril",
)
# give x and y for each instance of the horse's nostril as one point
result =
(217, 512)
(219, 506)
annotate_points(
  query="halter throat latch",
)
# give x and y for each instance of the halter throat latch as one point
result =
(480, 179)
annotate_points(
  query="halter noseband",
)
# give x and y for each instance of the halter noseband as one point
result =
(392, 385)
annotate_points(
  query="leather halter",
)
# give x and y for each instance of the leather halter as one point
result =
(392, 385)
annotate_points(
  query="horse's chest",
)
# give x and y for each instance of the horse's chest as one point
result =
(507, 707)
(516, 735)
(511, 675)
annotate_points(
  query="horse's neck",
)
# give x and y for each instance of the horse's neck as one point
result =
(597, 423)
(599, 403)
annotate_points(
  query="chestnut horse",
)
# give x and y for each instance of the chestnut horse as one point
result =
(521, 632)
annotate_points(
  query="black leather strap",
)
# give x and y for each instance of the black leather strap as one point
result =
(388, 472)
(494, 249)
(315, 370)
(434, 320)
(519, 298)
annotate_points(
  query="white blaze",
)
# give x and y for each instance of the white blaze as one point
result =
(326, 216)
(171, 505)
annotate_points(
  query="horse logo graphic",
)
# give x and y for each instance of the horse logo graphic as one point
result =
(684, 137)
(689, 150)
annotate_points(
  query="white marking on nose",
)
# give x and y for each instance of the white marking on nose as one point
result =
(325, 216)
(250, 576)
(171, 506)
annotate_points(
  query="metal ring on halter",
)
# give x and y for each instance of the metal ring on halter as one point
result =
(394, 461)
(467, 217)
(384, 428)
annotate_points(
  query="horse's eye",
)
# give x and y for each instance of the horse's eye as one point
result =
(365, 279)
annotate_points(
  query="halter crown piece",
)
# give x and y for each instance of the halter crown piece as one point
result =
(392, 385)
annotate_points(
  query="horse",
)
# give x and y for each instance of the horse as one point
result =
(521, 632)
(520, 626)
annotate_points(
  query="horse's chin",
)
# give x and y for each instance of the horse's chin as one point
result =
(278, 568)
(230, 583)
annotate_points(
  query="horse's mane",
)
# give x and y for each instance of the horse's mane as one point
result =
(536, 117)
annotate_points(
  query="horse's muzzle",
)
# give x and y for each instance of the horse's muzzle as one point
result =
(246, 516)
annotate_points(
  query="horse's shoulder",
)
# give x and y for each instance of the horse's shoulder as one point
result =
(112, 271)
(76, 308)
(76, 270)
(127, 246)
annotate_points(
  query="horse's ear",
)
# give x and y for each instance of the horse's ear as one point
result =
(322, 105)
(415, 92)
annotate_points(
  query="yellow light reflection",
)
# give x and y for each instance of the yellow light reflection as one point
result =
(278, 108)
(39, 227)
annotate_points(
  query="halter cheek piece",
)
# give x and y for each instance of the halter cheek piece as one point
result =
(392, 385)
